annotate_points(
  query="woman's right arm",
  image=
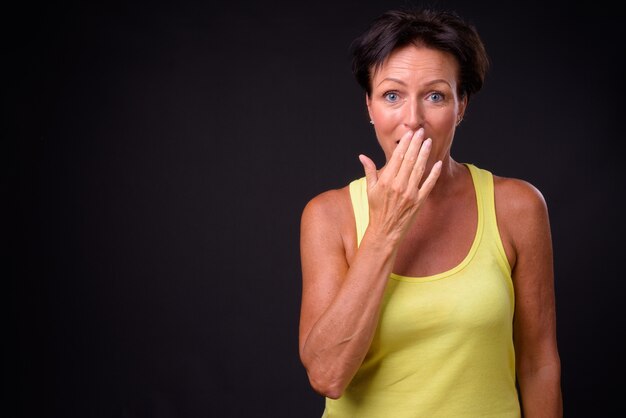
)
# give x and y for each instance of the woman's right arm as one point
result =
(341, 301)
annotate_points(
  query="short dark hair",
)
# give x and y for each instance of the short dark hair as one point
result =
(439, 29)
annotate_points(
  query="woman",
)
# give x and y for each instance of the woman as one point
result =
(427, 284)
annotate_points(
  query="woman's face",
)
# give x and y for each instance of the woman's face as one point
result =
(416, 87)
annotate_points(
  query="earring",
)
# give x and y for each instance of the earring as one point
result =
(371, 121)
(458, 122)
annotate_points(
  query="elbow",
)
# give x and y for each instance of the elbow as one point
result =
(547, 364)
(329, 388)
(325, 381)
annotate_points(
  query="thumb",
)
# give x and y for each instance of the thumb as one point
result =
(371, 176)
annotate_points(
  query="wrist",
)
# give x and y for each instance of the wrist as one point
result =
(383, 243)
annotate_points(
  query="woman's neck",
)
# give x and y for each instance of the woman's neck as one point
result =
(450, 179)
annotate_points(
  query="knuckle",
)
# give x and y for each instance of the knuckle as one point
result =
(397, 189)
(408, 196)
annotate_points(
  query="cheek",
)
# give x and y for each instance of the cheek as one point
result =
(442, 122)
(445, 117)
(386, 119)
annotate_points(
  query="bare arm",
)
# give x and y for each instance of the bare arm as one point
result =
(537, 358)
(341, 302)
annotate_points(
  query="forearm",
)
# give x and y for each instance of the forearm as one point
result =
(335, 344)
(338, 342)
(541, 392)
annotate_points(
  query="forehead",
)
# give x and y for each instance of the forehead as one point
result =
(417, 64)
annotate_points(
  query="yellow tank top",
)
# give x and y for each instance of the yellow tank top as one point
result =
(444, 343)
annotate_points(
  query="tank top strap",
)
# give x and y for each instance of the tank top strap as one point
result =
(483, 183)
(484, 187)
(360, 206)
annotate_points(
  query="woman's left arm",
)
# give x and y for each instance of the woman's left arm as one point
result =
(524, 222)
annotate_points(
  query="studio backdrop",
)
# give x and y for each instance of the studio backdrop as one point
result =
(162, 156)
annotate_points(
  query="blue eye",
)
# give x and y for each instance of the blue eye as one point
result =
(435, 96)
(391, 97)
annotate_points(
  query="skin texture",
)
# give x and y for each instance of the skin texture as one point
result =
(423, 218)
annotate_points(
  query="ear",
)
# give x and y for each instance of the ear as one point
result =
(461, 107)
(367, 103)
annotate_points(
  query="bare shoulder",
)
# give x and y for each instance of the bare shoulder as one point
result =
(331, 206)
(328, 220)
(518, 196)
(522, 216)
(327, 232)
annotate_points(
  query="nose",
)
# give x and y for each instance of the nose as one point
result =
(414, 115)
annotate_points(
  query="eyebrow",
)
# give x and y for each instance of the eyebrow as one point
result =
(391, 79)
(430, 83)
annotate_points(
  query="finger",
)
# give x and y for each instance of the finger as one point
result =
(430, 181)
(371, 176)
(419, 167)
(411, 157)
(394, 163)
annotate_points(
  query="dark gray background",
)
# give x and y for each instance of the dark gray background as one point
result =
(161, 155)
